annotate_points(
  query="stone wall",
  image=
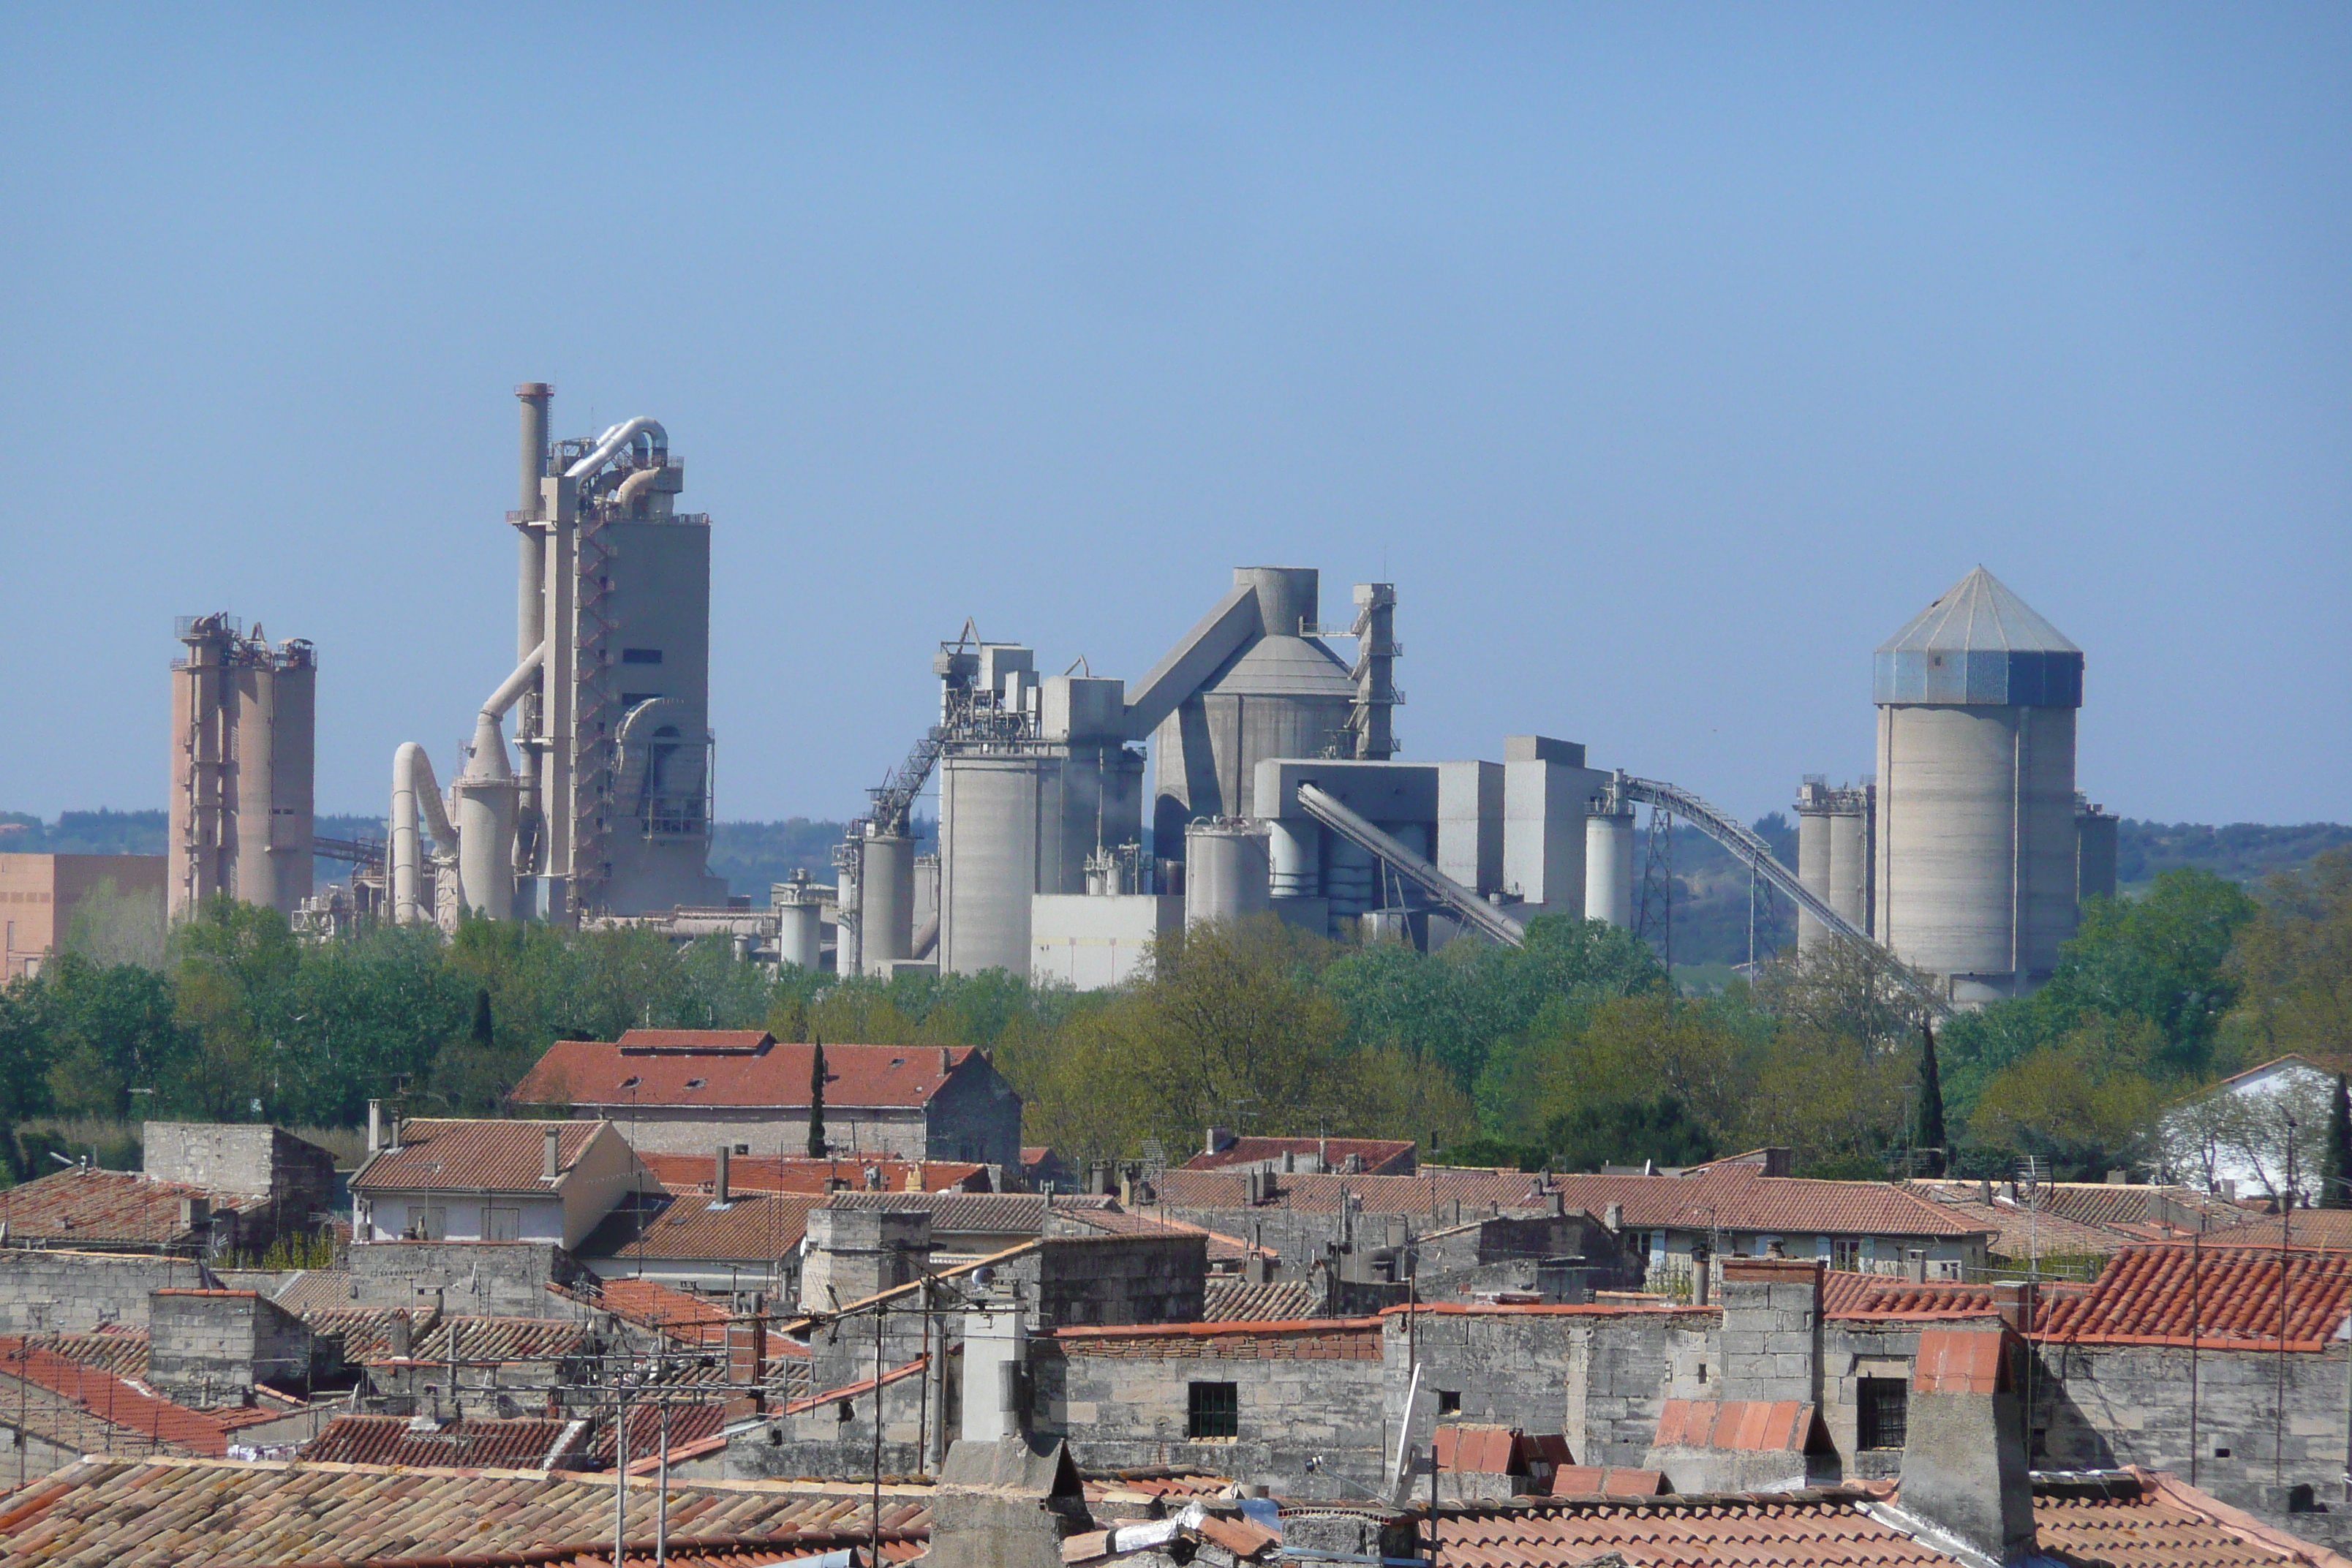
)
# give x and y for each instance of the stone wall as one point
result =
(1301, 1391)
(496, 1279)
(975, 1115)
(297, 1176)
(1771, 1346)
(1093, 1279)
(210, 1347)
(855, 1253)
(73, 1292)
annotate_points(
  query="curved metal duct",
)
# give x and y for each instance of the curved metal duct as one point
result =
(414, 789)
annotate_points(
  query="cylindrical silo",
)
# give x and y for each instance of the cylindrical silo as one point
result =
(1812, 859)
(1295, 857)
(800, 936)
(1227, 872)
(1976, 840)
(292, 764)
(1352, 876)
(2095, 852)
(1609, 865)
(988, 860)
(253, 687)
(885, 919)
(1849, 868)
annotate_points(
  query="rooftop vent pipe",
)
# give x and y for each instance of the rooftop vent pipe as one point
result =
(552, 1164)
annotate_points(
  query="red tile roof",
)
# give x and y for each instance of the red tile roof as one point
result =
(486, 1339)
(988, 1213)
(121, 1405)
(118, 1352)
(195, 1513)
(1222, 1249)
(469, 1443)
(1763, 1426)
(1825, 1528)
(689, 1320)
(689, 1424)
(107, 1209)
(366, 1332)
(593, 1072)
(474, 1156)
(1430, 1192)
(1845, 1294)
(2231, 1297)
(755, 1230)
(2113, 1204)
(1380, 1156)
(1229, 1299)
(1607, 1480)
(2022, 1232)
(784, 1174)
(1960, 1361)
(2330, 1229)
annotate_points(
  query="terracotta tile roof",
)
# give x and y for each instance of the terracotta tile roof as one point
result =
(784, 1174)
(1228, 1298)
(1155, 1480)
(2142, 1519)
(689, 1320)
(468, 1443)
(1762, 1425)
(1742, 1198)
(318, 1290)
(485, 1338)
(689, 1424)
(120, 1353)
(1845, 1294)
(1960, 1361)
(990, 1213)
(474, 1156)
(2232, 1296)
(1607, 1480)
(119, 1405)
(2021, 1233)
(753, 1231)
(2111, 1204)
(107, 1209)
(2330, 1229)
(1380, 1156)
(192, 1513)
(1821, 1529)
(366, 1332)
(676, 1071)
(1309, 1339)
(1222, 1249)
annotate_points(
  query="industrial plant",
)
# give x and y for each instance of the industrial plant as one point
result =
(1082, 817)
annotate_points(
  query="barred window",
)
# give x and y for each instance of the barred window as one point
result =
(1213, 1410)
(1883, 1406)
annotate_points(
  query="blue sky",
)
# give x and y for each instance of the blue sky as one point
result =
(1665, 358)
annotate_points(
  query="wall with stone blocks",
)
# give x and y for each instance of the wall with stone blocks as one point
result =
(73, 1292)
(499, 1279)
(210, 1347)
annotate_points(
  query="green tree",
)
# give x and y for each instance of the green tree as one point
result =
(817, 1149)
(2293, 964)
(2086, 1103)
(2162, 958)
(2335, 1171)
(106, 1032)
(1929, 1130)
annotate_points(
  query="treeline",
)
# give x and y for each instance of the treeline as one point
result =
(1572, 1051)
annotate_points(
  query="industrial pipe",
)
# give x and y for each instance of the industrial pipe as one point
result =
(634, 488)
(411, 769)
(615, 440)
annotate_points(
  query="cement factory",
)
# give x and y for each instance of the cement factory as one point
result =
(1251, 770)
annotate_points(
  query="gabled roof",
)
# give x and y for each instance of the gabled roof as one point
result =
(2330, 1230)
(1828, 1528)
(1222, 1249)
(1432, 1193)
(1229, 1299)
(755, 1230)
(1845, 1294)
(118, 1403)
(474, 1156)
(770, 1077)
(986, 1214)
(2144, 1519)
(483, 1338)
(90, 1208)
(2232, 1298)
(690, 1319)
(1752, 1425)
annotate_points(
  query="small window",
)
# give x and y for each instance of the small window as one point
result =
(501, 1225)
(1884, 1411)
(1702, 1372)
(2220, 1453)
(1845, 1253)
(742, 1147)
(1213, 1410)
(1449, 1402)
(641, 655)
(432, 1224)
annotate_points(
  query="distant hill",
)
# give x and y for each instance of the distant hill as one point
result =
(2243, 852)
(83, 833)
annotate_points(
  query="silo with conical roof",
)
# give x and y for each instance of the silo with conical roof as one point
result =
(1975, 831)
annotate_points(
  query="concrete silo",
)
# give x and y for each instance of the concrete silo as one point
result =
(243, 720)
(1813, 797)
(1226, 871)
(1274, 693)
(1975, 833)
(2094, 851)
(1608, 858)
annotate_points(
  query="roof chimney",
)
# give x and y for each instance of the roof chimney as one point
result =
(551, 1163)
(375, 1125)
(1964, 1466)
(391, 1133)
(397, 1340)
(718, 1198)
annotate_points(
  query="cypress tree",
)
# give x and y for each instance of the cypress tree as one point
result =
(482, 1034)
(1931, 1101)
(816, 1103)
(2337, 1170)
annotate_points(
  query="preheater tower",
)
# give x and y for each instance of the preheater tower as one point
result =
(1976, 837)
(243, 718)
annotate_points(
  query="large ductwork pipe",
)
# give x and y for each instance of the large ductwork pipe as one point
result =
(414, 789)
(487, 802)
(616, 441)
